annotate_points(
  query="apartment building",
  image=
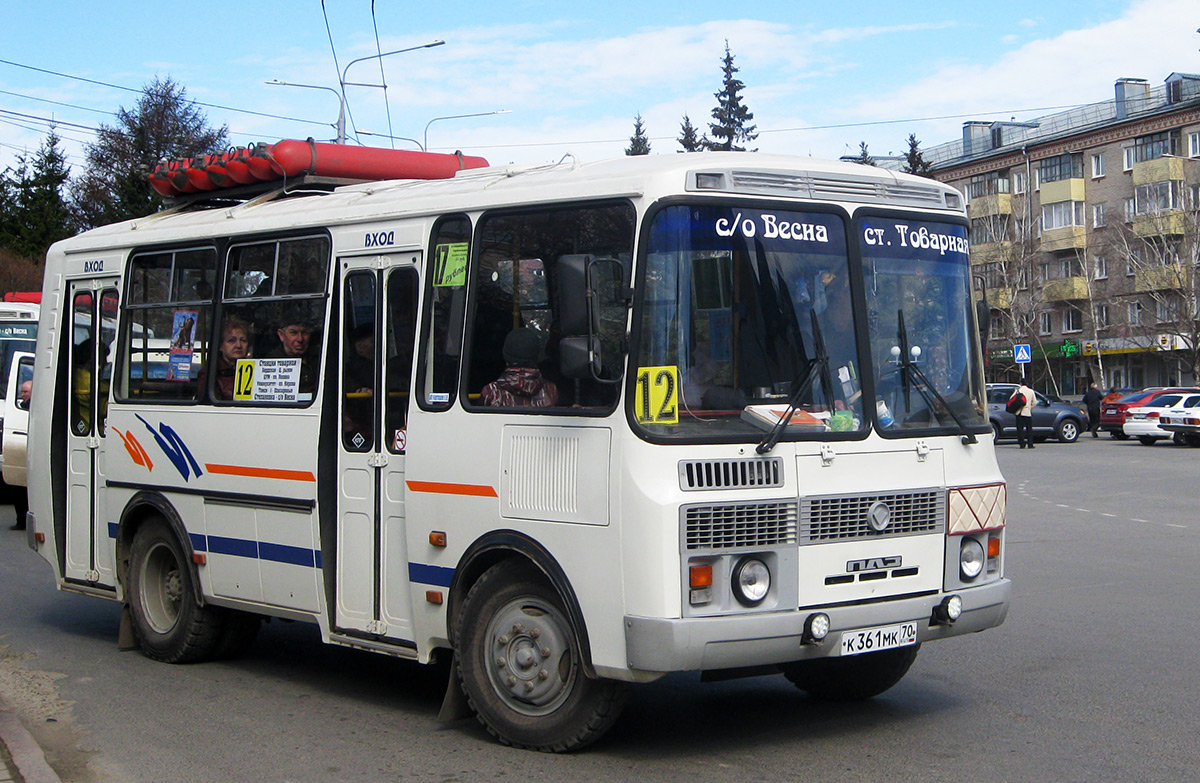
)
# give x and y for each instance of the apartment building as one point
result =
(1085, 236)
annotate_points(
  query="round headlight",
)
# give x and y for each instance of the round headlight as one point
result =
(751, 581)
(816, 628)
(971, 558)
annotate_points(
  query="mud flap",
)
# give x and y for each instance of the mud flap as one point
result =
(454, 703)
(126, 638)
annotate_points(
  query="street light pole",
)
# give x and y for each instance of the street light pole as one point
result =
(341, 121)
(459, 117)
(343, 83)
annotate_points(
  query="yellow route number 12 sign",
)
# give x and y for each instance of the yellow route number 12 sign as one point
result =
(657, 392)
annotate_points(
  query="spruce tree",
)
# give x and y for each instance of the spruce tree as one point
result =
(689, 139)
(164, 124)
(863, 156)
(639, 143)
(33, 211)
(730, 129)
(914, 161)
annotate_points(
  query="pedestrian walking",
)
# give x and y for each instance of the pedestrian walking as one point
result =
(1091, 400)
(1024, 416)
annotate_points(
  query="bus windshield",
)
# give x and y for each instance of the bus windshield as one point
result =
(744, 311)
(919, 302)
(747, 311)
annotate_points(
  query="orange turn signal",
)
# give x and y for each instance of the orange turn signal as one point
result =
(433, 596)
(199, 558)
(437, 538)
(700, 576)
(993, 546)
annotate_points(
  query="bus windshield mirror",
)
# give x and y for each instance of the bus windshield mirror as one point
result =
(912, 375)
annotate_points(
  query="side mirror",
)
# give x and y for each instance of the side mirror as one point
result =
(591, 310)
(579, 357)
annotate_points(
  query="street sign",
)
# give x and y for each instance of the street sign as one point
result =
(1021, 353)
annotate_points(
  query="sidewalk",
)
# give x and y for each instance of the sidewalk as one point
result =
(21, 758)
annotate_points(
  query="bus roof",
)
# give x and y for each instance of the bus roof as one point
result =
(649, 176)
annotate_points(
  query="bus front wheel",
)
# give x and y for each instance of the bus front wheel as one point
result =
(520, 666)
(170, 624)
(854, 678)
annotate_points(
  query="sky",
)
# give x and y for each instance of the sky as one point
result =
(820, 77)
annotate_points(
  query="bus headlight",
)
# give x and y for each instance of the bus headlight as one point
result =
(751, 581)
(971, 558)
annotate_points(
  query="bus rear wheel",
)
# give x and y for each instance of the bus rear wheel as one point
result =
(520, 666)
(170, 623)
(854, 678)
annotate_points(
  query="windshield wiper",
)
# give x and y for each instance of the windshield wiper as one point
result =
(818, 364)
(910, 373)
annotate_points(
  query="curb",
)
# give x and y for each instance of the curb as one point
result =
(27, 756)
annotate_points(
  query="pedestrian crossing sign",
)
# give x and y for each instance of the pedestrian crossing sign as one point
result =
(1021, 353)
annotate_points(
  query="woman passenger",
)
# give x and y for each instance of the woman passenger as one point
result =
(234, 345)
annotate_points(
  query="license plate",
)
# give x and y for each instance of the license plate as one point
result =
(882, 638)
(1111, 411)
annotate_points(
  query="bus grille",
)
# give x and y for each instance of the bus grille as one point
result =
(730, 473)
(740, 525)
(845, 517)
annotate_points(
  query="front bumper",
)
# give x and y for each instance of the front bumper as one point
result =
(735, 641)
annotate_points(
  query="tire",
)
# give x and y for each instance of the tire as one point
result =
(1147, 440)
(1179, 439)
(520, 667)
(1067, 431)
(1192, 440)
(1119, 435)
(996, 431)
(168, 620)
(851, 679)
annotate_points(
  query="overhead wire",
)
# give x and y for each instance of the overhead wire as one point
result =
(382, 77)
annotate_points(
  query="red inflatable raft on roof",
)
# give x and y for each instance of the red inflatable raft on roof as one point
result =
(292, 158)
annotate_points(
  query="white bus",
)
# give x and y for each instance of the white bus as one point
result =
(576, 425)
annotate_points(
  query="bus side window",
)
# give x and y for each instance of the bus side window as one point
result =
(514, 301)
(399, 330)
(445, 309)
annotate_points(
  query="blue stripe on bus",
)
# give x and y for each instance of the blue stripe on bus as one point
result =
(220, 545)
(199, 542)
(281, 553)
(430, 574)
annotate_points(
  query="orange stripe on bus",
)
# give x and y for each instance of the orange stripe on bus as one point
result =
(474, 490)
(271, 473)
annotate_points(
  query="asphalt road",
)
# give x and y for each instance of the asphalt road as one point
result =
(1092, 677)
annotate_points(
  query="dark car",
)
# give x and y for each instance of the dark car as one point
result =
(1112, 414)
(1058, 419)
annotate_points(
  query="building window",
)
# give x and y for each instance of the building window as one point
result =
(1156, 145)
(1128, 210)
(1102, 320)
(1155, 197)
(1071, 265)
(1099, 217)
(1072, 320)
(988, 184)
(1194, 145)
(1135, 313)
(986, 230)
(1127, 156)
(1020, 181)
(1045, 323)
(1066, 166)
(1062, 214)
(1101, 268)
(1097, 166)
(1163, 311)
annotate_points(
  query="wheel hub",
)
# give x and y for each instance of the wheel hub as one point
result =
(531, 665)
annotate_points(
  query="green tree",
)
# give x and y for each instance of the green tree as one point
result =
(689, 139)
(863, 157)
(914, 161)
(163, 124)
(731, 128)
(33, 211)
(639, 142)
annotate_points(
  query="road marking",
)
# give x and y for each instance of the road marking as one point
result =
(1181, 527)
(1106, 514)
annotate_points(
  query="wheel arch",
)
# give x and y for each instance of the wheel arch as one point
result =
(142, 507)
(501, 545)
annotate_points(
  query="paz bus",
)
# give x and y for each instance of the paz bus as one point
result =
(570, 427)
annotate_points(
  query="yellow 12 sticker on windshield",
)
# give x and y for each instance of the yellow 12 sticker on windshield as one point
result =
(657, 390)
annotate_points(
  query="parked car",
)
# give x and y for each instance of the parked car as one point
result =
(1112, 414)
(1142, 422)
(1059, 419)
(1183, 424)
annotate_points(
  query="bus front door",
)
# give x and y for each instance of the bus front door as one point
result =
(372, 592)
(93, 322)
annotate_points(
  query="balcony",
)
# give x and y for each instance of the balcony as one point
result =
(991, 252)
(1166, 222)
(1001, 298)
(1147, 172)
(1066, 238)
(1162, 278)
(993, 204)
(1062, 190)
(1065, 289)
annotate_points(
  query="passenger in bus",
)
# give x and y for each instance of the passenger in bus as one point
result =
(234, 345)
(81, 384)
(295, 336)
(521, 385)
(360, 363)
